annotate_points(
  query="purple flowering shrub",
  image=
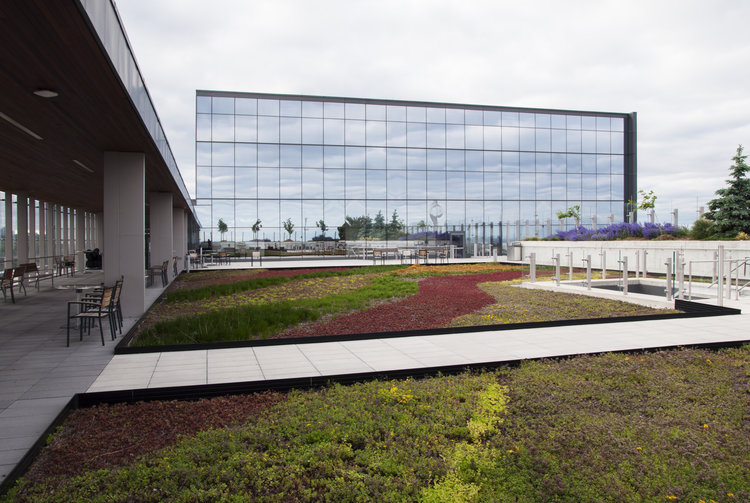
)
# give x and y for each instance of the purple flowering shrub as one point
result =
(622, 230)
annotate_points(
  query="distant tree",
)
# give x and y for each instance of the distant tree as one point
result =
(320, 224)
(395, 226)
(572, 212)
(730, 212)
(378, 226)
(222, 228)
(256, 228)
(289, 226)
(648, 200)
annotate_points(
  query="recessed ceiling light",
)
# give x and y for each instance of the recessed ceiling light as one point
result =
(21, 127)
(83, 165)
(46, 93)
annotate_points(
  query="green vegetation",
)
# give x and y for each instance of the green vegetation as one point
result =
(521, 305)
(663, 426)
(209, 291)
(262, 320)
(730, 212)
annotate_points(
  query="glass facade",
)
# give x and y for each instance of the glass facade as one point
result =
(390, 168)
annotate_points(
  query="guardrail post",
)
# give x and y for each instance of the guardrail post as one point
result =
(604, 263)
(624, 275)
(588, 271)
(570, 265)
(532, 267)
(720, 277)
(556, 258)
(668, 288)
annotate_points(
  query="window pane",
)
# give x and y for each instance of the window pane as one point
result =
(334, 183)
(492, 118)
(222, 154)
(436, 160)
(246, 213)
(396, 113)
(588, 123)
(493, 161)
(396, 184)
(527, 136)
(558, 140)
(222, 128)
(543, 141)
(558, 163)
(355, 184)
(268, 129)
(203, 182)
(511, 161)
(493, 138)
(396, 134)
(355, 132)
(356, 157)
(543, 185)
(396, 158)
(602, 143)
(455, 160)
(376, 184)
(203, 126)
(268, 212)
(245, 154)
(268, 107)
(511, 186)
(474, 117)
(291, 108)
(454, 136)
(268, 155)
(417, 184)
(588, 141)
(333, 110)
(203, 104)
(312, 130)
(376, 112)
(574, 141)
(543, 162)
(617, 164)
(355, 111)
(573, 163)
(436, 135)
(574, 187)
(376, 158)
(474, 185)
(510, 138)
(246, 106)
(528, 188)
(527, 163)
(602, 187)
(436, 115)
(291, 130)
(335, 157)
(312, 109)
(291, 156)
(493, 185)
(203, 154)
(222, 105)
(617, 188)
(557, 121)
(268, 183)
(602, 164)
(475, 137)
(376, 133)
(456, 185)
(415, 114)
(602, 123)
(333, 131)
(588, 163)
(435, 185)
(290, 180)
(245, 128)
(474, 160)
(454, 115)
(246, 183)
(312, 157)
(617, 143)
(416, 158)
(416, 134)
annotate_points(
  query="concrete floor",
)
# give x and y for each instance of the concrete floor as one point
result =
(39, 374)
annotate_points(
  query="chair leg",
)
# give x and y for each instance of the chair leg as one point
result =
(101, 331)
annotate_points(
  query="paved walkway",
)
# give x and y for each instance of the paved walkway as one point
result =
(38, 374)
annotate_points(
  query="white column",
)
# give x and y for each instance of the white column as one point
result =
(161, 226)
(80, 239)
(50, 232)
(65, 246)
(8, 230)
(22, 221)
(42, 237)
(124, 241)
(99, 231)
(57, 217)
(32, 230)
(179, 235)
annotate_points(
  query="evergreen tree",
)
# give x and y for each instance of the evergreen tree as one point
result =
(730, 212)
(378, 226)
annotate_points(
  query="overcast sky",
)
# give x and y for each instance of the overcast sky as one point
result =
(681, 65)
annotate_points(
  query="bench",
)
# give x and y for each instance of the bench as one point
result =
(32, 270)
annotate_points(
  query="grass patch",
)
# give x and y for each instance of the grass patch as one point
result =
(663, 426)
(209, 291)
(521, 305)
(262, 320)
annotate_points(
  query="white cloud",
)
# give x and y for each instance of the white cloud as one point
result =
(680, 64)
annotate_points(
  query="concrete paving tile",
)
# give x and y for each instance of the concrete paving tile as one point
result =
(10, 444)
(12, 456)
(26, 408)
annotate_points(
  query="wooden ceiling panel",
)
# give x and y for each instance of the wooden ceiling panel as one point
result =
(50, 45)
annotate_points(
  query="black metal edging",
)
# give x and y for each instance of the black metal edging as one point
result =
(196, 392)
(690, 310)
(40, 443)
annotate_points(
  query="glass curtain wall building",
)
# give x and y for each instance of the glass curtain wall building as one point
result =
(390, 168)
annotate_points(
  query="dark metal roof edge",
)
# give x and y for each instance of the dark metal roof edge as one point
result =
(377, 101)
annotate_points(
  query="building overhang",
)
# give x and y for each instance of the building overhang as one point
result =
(72, 91)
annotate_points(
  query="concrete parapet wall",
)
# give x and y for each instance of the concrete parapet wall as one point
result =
(657, 253)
